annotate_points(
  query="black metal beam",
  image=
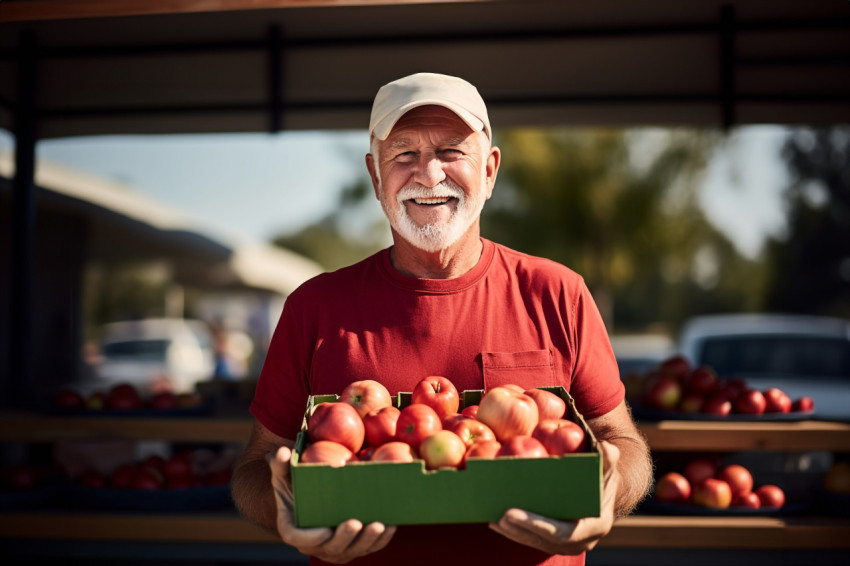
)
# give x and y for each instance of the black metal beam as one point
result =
(20, 376)
(275, 85)
(727, 66)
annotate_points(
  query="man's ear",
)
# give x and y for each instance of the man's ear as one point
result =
(371, 166)
(494, 159)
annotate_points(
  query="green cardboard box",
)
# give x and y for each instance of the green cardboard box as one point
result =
(565, 487)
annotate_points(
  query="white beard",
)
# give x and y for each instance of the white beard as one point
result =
(435, 236)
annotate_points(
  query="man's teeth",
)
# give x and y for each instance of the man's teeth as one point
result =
(432, 200)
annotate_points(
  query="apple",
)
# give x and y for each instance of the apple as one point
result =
(327, 452)
(484, 449)
(178, 468)
(68, 399)
(366, 396)
(470, 411)
(123, 397)
(672, 487)
(122, 476)
(437, 392)
(837, 478)
(770, 496)
(712, 493)
(164, 400)
(701, 380)
(443, 449)
(508, 413)
(416, 422)
(523, 447)
(691, 403)
(777, 401)
(731, 388)
(380, 425)
(749, 500)
(804, 404)
(738, 477)
(718, 405)
(549, 405)
(338, 422)
(92, 478)
(676, 367)
(698, 470)
(96, 401)
(155, 461)
(559, 436)
(514, 387)
(469, 430)
(148, 479)
(750, 402)
(664, 393)
(393, 451)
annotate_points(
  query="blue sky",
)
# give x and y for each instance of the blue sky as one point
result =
(261, 185)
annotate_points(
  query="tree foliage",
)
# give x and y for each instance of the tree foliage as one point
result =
(810, 264)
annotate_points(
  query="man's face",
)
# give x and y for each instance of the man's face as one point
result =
(433, 175)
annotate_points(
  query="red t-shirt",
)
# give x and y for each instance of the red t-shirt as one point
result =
(513, 318)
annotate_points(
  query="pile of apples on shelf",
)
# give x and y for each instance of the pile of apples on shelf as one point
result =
(124, 397)
(190, 468)
(675, 386)
(509, 421)
(705, 484)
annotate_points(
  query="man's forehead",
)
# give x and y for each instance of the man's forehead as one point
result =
(431, 117)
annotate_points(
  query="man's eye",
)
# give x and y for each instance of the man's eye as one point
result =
(451, 154)
(406, 157)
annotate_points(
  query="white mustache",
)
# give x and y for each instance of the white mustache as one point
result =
(446, 189)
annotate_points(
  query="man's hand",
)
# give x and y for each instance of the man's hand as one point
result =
(350, 540)
(566, 537)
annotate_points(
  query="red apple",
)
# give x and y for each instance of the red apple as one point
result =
(672, 487)
(664, 393)
(380, 425)
(365, 454)
(164, 400)
(469, 430)
(731, 388)
(749, 500)
(394, 451)
(68, 399)
(691, 403)
(676, 367)
(549, 405)
(366, 396)
(416, 422)
(178, 468)
(777, 401)
(738, 477)
(92, 478)
(327, 452)
(156, 462)
(122, 476)
(484, 449)
(147, 478)
(718, 405)
(701, 380)
(770, 496)
(750, 402)
(338, 422)
(123, 397)
(559, 436)
(712, 493)
(437, 392)
(508, 413)
(470, 411)
(803, 405)
(698, 470)
(523, 447)
(443, 449)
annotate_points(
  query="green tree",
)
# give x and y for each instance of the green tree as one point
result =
(810, 264)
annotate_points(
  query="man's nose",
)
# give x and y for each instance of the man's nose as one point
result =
(429, 171)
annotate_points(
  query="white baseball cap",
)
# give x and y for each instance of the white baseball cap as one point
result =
(424, 89)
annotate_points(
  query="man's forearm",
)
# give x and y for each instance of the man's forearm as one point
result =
(252, 492)
(635, 468)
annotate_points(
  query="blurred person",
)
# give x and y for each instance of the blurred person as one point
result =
(441, 300)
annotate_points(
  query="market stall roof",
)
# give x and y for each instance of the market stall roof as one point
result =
(159, 66)
(126, 225)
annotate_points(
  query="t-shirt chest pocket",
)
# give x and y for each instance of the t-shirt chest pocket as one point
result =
(532, 368)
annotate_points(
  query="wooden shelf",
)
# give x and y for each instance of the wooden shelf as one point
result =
(638, 531)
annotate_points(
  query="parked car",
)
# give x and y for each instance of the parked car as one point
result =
(802, 355)
(157, 354)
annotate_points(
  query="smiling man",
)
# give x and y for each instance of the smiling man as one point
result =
(441, 300)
